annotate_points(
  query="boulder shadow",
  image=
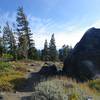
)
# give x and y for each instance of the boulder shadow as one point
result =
(28, 84)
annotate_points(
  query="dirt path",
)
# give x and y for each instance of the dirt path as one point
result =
(17, 96)
(25, 91)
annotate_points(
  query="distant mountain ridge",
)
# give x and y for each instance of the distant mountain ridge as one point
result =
(84, 61)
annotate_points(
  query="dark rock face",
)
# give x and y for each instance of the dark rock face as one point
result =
(84, 61)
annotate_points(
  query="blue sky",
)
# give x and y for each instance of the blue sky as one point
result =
(67, 19)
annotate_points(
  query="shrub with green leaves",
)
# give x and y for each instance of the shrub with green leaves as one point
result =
(95, 84)
(7, 56)
(5, 66)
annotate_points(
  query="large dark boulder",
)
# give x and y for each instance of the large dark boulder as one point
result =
(83, 62)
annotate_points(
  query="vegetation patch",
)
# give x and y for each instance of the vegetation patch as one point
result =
(95, 84)
(7, 56)
(61, 89)
(6, 79)
(5, 66)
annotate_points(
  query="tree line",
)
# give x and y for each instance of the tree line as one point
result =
(17, 42)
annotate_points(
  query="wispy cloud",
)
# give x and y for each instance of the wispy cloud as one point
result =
(65, 33)
(4, 17)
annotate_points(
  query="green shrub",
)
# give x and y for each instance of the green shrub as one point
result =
(73, 97)
(95, 84)
(5, 66)
(7, 56)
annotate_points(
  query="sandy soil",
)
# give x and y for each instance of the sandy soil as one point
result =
(16, 96)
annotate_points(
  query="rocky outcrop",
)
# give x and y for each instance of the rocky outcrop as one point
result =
(84, 61)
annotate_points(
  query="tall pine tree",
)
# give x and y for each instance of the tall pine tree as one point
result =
(45, 52)
(1, 44)
(0, 30)
(24, 33)
(52, 49)
(8, 40)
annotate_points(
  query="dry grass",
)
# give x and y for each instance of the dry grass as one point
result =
(6, 79)
(56, 88)
(62, 88)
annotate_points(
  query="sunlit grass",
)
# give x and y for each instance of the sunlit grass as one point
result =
(65, 89)
(56, 88)
(6, 79)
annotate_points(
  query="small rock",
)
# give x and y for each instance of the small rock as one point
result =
(89, 98)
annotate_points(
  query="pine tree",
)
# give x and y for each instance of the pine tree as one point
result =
(24, 33)
(1, 44)
(32, 52)
(8, 40)
(0, 30)
(64, 51)
(1, 47)
(45, 52)
(5, 39)
(52, 49)
(16, 40)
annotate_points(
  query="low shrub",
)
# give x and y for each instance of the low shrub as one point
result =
(95, 84)
(49, 90)
(5, 66)
(5, 86)
(7, 56)
(74, 96)
(58, 89)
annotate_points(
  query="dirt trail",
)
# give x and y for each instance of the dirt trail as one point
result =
(25, 91)
(17, 96)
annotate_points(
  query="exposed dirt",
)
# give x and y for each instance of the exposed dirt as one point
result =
(16, 96)
(25, 92)
(32, 79)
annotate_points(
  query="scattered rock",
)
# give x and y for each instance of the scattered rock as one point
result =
(89, 98)
(31, 64)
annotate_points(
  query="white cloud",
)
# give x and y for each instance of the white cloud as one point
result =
(10, 17)
(96, 24)
(71, 35)
(66, 33)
